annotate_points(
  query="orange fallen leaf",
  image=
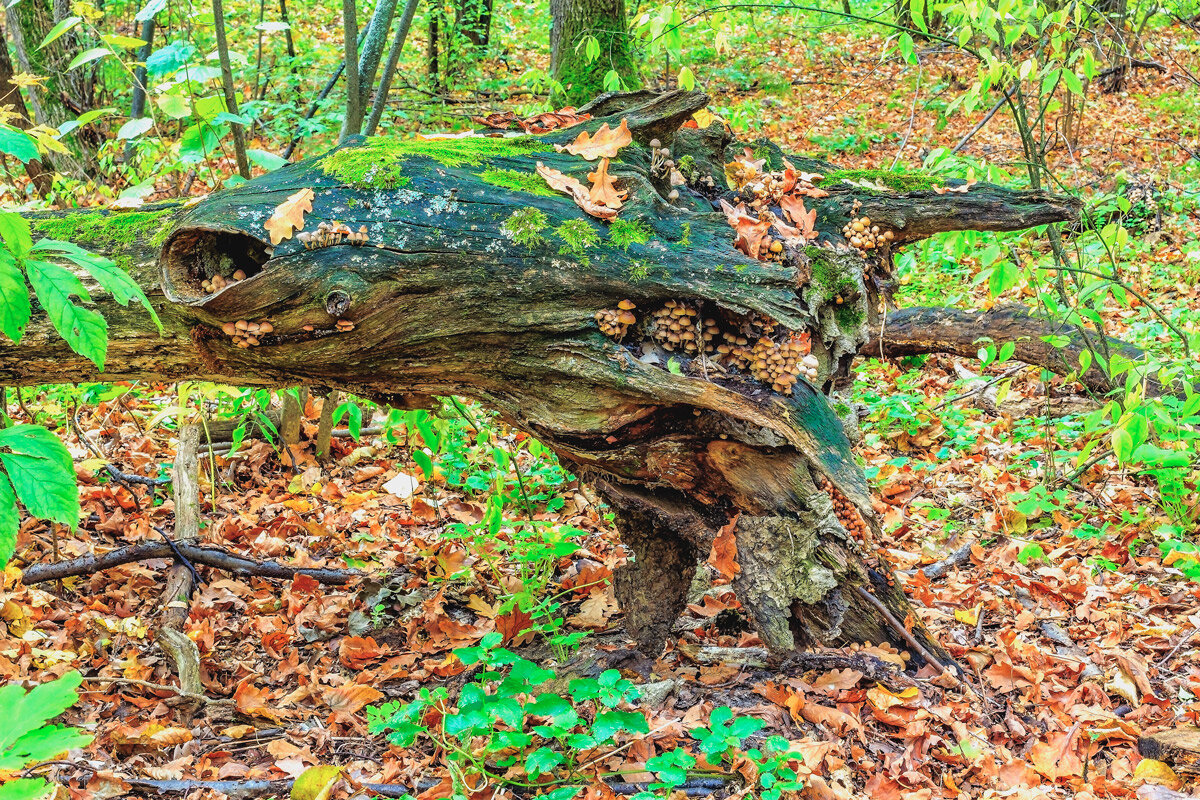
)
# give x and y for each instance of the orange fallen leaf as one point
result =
(604, 188)
(604, 144)
(289, 216)
(351, 697)
(579, 193)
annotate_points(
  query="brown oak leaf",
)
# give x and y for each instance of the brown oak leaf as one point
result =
(604, 189)
(750, 229)
(579, 193)
(604, 144)
(289, 216)
(801, 217)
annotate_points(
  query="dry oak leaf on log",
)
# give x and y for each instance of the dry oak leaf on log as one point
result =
(604, 189)
(801, 217)
(750, 229)
(605, 144)
(289, 216)
(579, 193)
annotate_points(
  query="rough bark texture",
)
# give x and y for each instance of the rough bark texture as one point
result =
(478, 280)
(572, 21)
(921, 330)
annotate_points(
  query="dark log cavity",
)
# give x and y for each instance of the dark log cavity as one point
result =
(437, 267)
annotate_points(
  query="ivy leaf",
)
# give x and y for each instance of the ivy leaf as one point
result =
(610, 723)
(39, 468)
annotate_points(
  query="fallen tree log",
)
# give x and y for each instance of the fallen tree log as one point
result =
(923, 330)
(682, 377)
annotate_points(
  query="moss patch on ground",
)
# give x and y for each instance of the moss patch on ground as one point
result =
(895, 181)
(378, 162)
(517, 181)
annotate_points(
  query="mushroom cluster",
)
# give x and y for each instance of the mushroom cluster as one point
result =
(245, 333)
(615, 322)
(328, 234)
(863, 235)
(662, 165)
(218, 282)
(846, 513)
(676, 328)
(782, 363)
(344, 325)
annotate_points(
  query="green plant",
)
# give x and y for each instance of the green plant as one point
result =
(501, 720)
(26, 739)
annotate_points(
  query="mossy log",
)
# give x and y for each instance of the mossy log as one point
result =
(478, 280)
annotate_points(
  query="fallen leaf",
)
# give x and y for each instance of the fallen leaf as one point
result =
(579, 193)
(316, 783)
(351, 697)
(1158, 772)
(289, 216)
(604, 189)
(604, 144)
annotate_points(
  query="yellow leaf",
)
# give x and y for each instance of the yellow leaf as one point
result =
(968, 616)
(704, 118)
(316, 783)
(1153, 771)
(604, 144)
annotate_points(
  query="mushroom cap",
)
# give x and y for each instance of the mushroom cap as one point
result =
(627, 318)
(626, 305)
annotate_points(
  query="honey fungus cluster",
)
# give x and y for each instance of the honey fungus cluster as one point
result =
(781, 363)
(863, 235)
(615, 322)
(218, 282)
(676, 326)
(246, 333)
(846, 513)
(328, 234)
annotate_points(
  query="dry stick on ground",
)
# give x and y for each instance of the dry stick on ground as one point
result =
(160, 687)
(208, 556)
(177, 595)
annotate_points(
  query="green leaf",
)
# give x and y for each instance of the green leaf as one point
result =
(424, 462)
(106, 272)
(542, 761)
(25, 712)
(85, 330)
(1122, 444)
(26, 789)
(1072, 81)
(59, 29)
(610, 723)
(117, 40)
(907, 48)
(87, 56)
(687, 79)
(18, 144)
(135, 128)
(174, 106)
(563, 793)
(16, 233)
(14, 299)
(10, 521)
(40, 470)
(266, 159)
(42, 744)
(316, 783)
(1004, 277)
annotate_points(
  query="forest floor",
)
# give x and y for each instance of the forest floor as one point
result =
(1076, 634)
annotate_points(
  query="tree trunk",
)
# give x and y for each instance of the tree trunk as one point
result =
(478, 280)
(10, 95)
(473, 19)
(572, 22)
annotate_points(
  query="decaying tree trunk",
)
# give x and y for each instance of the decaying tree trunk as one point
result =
(478, 280)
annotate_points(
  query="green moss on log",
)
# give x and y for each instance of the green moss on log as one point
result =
(624, 233)
(517, 181)
(378, 163)
(113, 233)
(895, 181)
(577, 236)
(525, 227)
